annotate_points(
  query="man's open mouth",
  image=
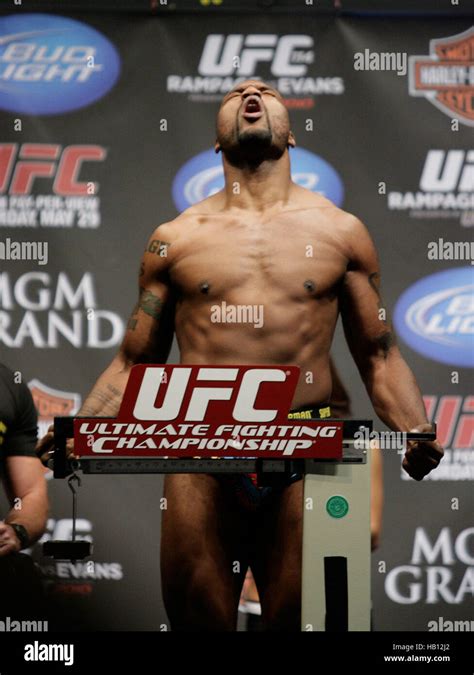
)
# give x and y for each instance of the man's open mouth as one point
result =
(252, 109)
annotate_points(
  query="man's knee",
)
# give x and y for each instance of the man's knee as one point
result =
(282, 612)
(200, 599)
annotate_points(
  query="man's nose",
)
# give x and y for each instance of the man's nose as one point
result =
(250, 91)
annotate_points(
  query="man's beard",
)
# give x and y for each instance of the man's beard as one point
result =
(252, 148)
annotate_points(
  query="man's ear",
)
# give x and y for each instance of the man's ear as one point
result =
(291, 140)
(217, 147)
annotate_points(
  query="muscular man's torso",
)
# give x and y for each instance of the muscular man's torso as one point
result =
(260, 289)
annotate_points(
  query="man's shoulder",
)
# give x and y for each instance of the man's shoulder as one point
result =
(5, 371)
(327, 209)
(7, 379)
(172, 229)
(198, 211)
(14, 392)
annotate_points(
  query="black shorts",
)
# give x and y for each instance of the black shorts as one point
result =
(243, 487)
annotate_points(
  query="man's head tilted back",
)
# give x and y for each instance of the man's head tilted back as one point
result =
(253, 124)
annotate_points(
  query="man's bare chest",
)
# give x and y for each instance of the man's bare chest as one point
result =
(293, 255)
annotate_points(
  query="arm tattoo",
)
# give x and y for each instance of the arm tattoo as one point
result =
(106, 402)
(158, 247)
(114, 390)
(87, 411)
(100, 396)
(150, 304)
(385, 342)
(374, 281)
(387, 339)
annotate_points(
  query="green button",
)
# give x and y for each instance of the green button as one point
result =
(337, 506)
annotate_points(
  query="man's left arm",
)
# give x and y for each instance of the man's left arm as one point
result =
(389, 381)
(27, 492)
(23, 477)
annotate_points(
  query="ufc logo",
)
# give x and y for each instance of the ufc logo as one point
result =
(190, 401)
(444, 171)
(289, 55)
(46, 160)
(454, 416)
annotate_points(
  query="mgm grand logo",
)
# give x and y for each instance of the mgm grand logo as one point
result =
(446, 76)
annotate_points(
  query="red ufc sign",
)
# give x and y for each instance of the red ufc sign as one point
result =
(214, 393)
(208, 411)
(19, 169)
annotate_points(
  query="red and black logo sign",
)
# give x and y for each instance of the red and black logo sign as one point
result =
(446, 76)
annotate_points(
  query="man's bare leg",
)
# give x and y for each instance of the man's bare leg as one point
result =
(276, 561)
(203, 554)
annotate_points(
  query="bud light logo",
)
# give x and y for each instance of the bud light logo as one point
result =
(51, 64)
(435, 316)
(203, 175)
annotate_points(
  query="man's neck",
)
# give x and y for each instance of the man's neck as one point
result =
(260, 188)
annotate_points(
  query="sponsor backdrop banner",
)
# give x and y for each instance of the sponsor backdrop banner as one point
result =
(107, 128)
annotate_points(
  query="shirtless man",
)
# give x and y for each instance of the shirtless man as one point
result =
(263, 241)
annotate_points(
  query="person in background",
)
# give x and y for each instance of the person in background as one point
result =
(24, 482)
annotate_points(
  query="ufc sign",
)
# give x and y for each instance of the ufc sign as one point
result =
(191, 393)
(447, 171)
(19, 167)
(237, 54)
(208, 411)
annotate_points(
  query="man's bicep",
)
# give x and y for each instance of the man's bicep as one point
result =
(149, 329)
(364, 314)
(22, 475)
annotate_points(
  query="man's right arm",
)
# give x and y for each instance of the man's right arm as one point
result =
(147, 339)
(148, 335)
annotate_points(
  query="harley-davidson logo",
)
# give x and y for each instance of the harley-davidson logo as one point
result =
(446, 76)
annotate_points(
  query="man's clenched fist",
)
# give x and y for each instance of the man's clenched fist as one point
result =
(422, 457)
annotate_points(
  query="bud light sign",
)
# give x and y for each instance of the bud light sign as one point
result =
(52, 64)
(435, 316)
